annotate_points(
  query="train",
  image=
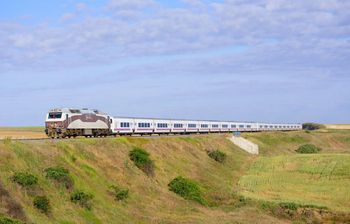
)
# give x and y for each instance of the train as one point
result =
(68, 122)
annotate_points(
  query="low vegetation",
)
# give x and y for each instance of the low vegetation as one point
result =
(187, 189)
(4, 220)
(61, 175)
(217, 156)
(42, 203)
(82, 198)
(318, 181)
(119, 193)
(308, 149)
(312, 126)
(25, 179)
(141, 159)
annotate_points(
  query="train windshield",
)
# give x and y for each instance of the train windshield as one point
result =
(55, 115)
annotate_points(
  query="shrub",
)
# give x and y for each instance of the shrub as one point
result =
(217, 156)
(312, 126)
(60, 175)
(187, 189)
(42, 203)
(82, 198)
(7, 140)
(308, 148)
(120, 194)
(4, 220)
(141, 159)
(25, 179)
(289, 205)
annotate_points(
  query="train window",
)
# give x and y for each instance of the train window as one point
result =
(241, 126)
(192, 125)
(204, 126)
(266, 126)
(215, 125)
(178, 125)
(124, 124)
(233, 126)
(162, 125)
(249, 126)
(55, 115)
(224, 126)
(271, 126)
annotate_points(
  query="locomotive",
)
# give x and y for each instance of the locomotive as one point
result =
(62, 123)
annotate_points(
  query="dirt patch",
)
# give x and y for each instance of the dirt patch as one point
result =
(9, 206)
(313, 215)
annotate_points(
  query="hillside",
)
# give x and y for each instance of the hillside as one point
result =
(276, 143)
(96, 164)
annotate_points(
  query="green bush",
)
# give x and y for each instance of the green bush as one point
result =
(120, 194)
(82, 198)
(42, 203)
(4, 220)
(187, 189)
(217, 156)
(25, 179)
(312, 126)
(141, 159)
(308, 148)
(60, 175)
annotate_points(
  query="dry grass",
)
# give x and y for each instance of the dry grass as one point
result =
(96, 164)
(338, 126)
(22, 133)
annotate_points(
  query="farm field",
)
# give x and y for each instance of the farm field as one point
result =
(22, 132)
(321, 180)
(338, 126)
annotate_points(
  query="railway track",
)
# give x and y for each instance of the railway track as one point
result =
(108, 137)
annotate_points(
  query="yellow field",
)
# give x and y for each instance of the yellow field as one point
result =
(22, 132)
(338, 126)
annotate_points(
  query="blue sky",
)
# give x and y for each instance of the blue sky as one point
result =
(263, 60)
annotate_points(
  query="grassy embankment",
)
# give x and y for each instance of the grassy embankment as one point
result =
(96, 164)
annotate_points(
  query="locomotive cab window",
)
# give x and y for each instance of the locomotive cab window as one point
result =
(55, 115)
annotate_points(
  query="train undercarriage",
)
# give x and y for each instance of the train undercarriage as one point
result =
(73, 133)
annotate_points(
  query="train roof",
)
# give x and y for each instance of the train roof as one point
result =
(168, 119)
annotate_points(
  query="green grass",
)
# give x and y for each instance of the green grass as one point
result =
(319, 180)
